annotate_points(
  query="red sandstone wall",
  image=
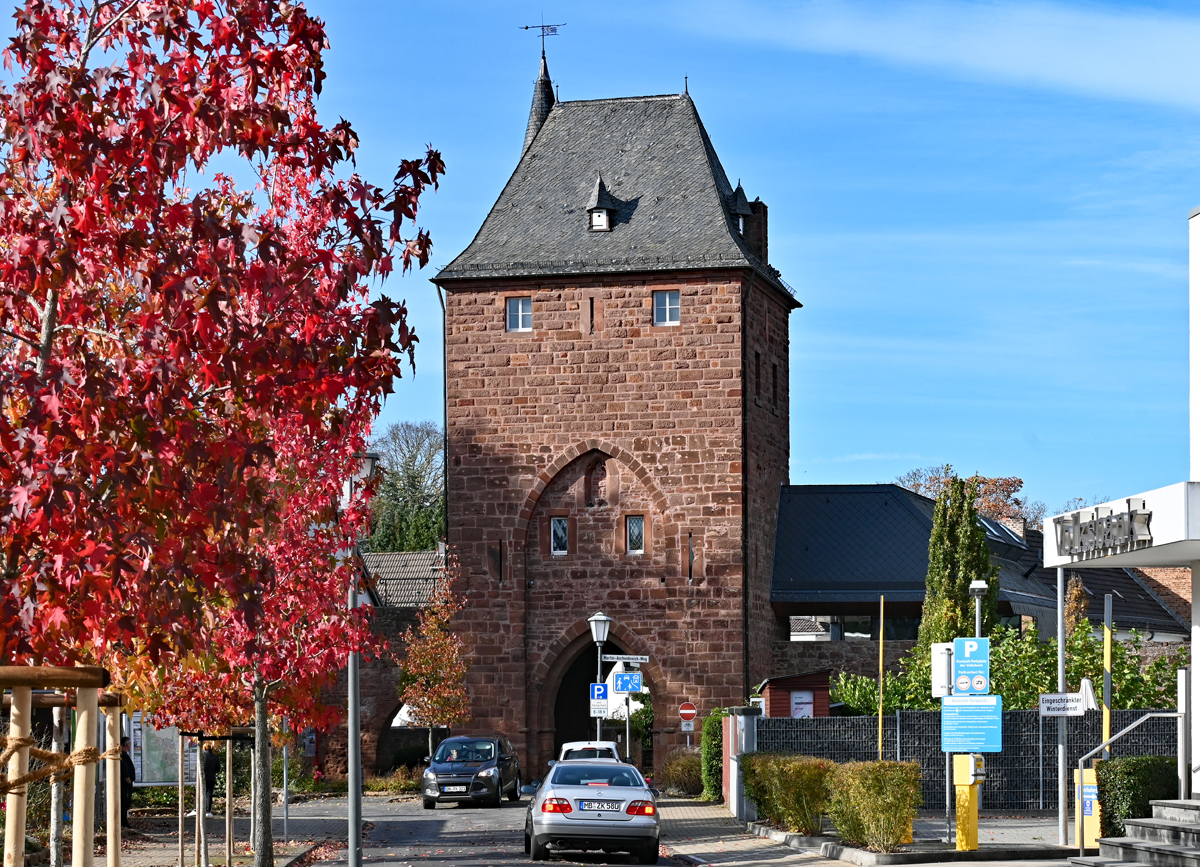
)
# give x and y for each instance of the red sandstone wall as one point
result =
(1173, 585)
(530, 416)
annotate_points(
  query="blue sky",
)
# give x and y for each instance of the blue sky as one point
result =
(982, 206)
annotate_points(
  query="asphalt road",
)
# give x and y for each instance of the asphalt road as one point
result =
(459, 836)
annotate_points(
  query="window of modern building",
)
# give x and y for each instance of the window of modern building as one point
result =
(635, 534)
(666, 307)
(558, 536)
(520, 314)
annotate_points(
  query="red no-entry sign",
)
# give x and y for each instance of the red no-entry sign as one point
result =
(687, 711)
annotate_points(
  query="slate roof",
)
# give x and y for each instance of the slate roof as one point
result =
(849, 543)
(403, 579)
(659, 166)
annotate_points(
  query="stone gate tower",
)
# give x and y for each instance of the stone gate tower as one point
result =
(617, 352)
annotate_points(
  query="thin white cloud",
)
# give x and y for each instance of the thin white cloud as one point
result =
(1143, 56)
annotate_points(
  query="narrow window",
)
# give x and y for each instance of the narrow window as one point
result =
(635, 534)
(774, 384)
(757, 375)
(558, 536)
(520, 314)
(741, 225)
(666, 307)
(592, 315)
(691, 556)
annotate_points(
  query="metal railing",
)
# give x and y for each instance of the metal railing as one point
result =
(1079, 798)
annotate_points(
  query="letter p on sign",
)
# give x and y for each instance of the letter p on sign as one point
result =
(969, 647)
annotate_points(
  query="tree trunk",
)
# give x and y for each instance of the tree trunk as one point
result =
(264, 851)
(431, 742)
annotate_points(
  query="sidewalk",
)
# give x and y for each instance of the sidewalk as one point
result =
(699, 833)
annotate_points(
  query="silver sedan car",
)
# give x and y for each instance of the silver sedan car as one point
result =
(592, 805)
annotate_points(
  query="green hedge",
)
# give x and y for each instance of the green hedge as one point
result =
(1127, 786)
(873, 804)
(787, 789)
(712, 760)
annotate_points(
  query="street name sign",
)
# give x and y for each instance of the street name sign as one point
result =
(972, 666)
(972, 723)
(1061, 704)
(629, 681)
(687, 711)
(599, 699)
(621, 657)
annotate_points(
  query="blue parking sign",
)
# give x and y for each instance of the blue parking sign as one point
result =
(599, 691)
(629, 681)
(972, 666)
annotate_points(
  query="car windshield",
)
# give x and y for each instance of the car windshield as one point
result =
(465, 751)
(590, 753)
(596, 775)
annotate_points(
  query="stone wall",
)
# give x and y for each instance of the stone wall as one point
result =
(1173, 586)
(378, 687)
(856, 657)
(594, 416)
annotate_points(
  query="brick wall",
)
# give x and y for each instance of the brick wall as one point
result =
(1173, 585)
(593, 416)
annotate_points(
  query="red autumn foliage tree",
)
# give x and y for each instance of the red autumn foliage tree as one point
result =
(155, 335)
(997, 495)
(434, 669)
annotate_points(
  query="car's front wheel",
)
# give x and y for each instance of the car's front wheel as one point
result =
(515, 794)
(429, 803)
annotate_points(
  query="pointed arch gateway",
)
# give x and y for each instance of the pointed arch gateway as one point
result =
(572, 650)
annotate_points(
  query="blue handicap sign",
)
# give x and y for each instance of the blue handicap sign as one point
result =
(972, 723)
(599, 691)
(629, 681)
(972, 666)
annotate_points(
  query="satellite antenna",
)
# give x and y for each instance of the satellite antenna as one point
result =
(547, 30)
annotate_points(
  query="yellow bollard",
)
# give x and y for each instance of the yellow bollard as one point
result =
(968, 774)
(1087, 809)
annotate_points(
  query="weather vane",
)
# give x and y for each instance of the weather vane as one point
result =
(547, 30)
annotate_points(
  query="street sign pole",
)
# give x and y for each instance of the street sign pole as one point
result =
(626, 727)
(1062, 721)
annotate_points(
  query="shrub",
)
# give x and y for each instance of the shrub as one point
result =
(401, 781)
(873, 804)
(681, 771)
(788, 790)
(1127, 786)
(712, 759)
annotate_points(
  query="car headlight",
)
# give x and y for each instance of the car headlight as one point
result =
(488, 772)
(429, 774)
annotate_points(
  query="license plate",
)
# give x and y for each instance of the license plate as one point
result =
(454, 788)
(610, 806)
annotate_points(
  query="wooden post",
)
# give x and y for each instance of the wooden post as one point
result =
(83, 812)
(182, 829)
(18, 765)
(60, 743)
(112, 793)
(229, 801)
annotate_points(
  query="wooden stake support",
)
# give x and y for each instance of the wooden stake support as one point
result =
(83, 816)
(112, 790)
(54, 677)
(18, 766)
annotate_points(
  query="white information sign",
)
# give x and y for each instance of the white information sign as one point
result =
(687, 725)
(600, 707)
(1061, 704)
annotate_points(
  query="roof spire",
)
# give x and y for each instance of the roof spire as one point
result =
(543, 101)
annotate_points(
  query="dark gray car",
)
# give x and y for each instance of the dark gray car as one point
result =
(479, 770)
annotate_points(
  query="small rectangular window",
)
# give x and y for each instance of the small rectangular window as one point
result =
(666, 307)
(558, 536)
(774, 384)
(520, 314)
(635, 534)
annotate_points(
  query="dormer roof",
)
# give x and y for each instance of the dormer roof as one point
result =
(669, 191)
(600, 199)
(738, 204)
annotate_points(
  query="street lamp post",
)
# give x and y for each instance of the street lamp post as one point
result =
(353, 734)
(599, 624)
(978, 590)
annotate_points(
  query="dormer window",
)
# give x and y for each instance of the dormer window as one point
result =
(739, 208)
(741, 225)
(601, 208)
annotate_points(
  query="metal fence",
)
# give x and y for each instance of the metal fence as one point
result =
(1023, 776)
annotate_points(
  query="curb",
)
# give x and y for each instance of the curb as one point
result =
(794, 841)
(864, 858)
(303, 853)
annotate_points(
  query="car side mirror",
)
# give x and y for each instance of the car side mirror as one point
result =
(552, 762)
(656, 793)
(505, 757)
(528, 790)
(426, 760)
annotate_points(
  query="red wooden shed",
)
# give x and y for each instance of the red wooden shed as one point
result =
(796, 695)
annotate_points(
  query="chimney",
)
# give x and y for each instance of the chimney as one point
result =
(1016, 524)
(756, 229)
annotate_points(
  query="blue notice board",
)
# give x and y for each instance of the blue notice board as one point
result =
(972, 666)
(971, 723)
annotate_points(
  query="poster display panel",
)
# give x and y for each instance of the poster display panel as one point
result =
(155, 754)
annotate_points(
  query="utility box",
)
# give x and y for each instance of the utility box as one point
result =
(1087, 809)
(968, 769)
